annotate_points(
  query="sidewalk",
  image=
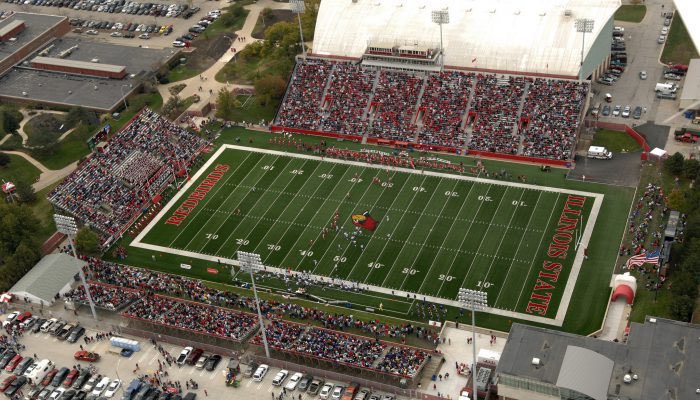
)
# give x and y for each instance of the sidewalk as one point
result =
(206, 80)
(48, 176)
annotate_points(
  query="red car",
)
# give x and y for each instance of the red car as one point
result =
(7, 382)
(70, 378)
(13, 363)
(84, 355)
(49, 377)
(22, 317)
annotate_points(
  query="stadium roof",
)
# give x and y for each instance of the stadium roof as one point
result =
(689, 10)
(49, 276)
(78, 64)
(538, 36)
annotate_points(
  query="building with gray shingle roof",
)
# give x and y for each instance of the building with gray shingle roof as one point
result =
(54, 274)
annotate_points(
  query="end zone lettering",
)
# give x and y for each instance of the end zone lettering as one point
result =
(558, 250)
(198, 194)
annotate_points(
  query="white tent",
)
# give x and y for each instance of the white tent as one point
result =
(658, 153)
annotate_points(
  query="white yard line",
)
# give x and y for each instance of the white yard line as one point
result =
(250, 230)
(435, 221)
(209, 197)
(520, 243)
(347, 247)
(309, 220)
(466, 235)
(204, 225)
(452, 225)
(544, 233)
(246, 216)
(337, 233)
(483, 237)
(503, 237)
(568, 292)
(390, 235)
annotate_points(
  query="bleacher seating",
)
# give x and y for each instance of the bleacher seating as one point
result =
(445, 104)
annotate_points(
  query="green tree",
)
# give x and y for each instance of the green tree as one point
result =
(43, 143)
(691, 168)
(681, 307)
(269, 88)
(78, 115)
(19, 246)
(265, 13)
(25, 192)
(676, 200)
(10, 119)
(4, 160)
(226, 105)
(674, 164)
(87, 242)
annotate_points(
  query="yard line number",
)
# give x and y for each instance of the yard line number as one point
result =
(274, 247)
(484, 285)
(211, 236)
(242, 242)
(517, 203)
(375, 265)
(485, 198)
(268, 167)
(297, 172)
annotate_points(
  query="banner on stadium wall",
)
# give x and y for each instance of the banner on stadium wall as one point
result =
(365, 221)
(185, 266)
(212, 270)
(436, 324)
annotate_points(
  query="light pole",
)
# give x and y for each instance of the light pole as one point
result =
(298, 8)
(252, 261)
(441, 17)
(66, 225)
(475, 300)
(121, 88)
(584, 25)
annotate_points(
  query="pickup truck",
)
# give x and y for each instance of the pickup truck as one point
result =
(687, 137)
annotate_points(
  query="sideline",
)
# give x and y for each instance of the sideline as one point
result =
(568, 289)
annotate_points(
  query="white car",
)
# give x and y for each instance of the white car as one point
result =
(294, 381)
(10, 318)
(101, 385)
(664, 30)
(260, 373)
(112, 388)
(57, 393)
(47, 325)
(92, 32)
(626, 111)
(144, 36)
(178, 43)
(337, 391)
(642, 75)
(116, 34)
(326, 390)
(661, 39)
(618, 29)
(616, 111)
(280, 377)
(183, 355)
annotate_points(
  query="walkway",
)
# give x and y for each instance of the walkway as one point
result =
(206, 80)
(48, 176)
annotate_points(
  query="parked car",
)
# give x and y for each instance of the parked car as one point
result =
(617, 110)
(626, 112)
(280, 377)
(15, 386)
(260, 373)
(92, 382)
(637, 113)
(101, 386)
(183, 355)
(326, 390)
(642, 75)
(606, 110)
(49, 377)
(202, 360)
(315, 386)
(59, 377)
(194, 356)
(83, 377)
(77, 332)
(212, 362)
(13, 363)
(70, 378)
(23, 365)
(112, 388)
(84, 355)
(92, 32)
(304, 383)
(293, 381)
(661, 39)
(337, 391)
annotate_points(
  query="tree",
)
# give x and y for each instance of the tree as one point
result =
(226, 105)
(691, 168)
(77, 115)
(43, 143)
(25, 192)
(265, 13)
(681, 307)
(87, 242)
(269, 88)
(674, 164)
(4, 159)
(10, 119)
(676, 200)
(19, 246)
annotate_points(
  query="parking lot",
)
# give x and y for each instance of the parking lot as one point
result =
(180, 25)
(148, 361)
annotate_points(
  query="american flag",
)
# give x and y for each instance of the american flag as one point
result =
(641, 259)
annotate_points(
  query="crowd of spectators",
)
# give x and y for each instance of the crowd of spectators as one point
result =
(302, 102)
(495, 105)
(507, 114)
(107, 192)
(552, 110)
(404, 361)
(444, 104)
(152, 282)
(105, 296)
(348, 95)
(642, 223)
(194, 317)
(394, 103)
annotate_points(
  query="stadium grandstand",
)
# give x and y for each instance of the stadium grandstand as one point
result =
(493, 78)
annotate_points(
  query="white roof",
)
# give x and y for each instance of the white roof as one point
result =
(485, 34)
(689, 10)
(691, 88)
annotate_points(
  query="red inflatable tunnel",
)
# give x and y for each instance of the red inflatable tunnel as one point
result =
(623, 290)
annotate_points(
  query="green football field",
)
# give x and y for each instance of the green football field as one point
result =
(434, 234)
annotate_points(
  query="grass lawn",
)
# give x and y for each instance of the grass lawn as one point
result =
(218, 26)
(274, 17)
(617, 142)
(631, 13)
(49, 121)
(44, 212)
(19, 170)
(590, 295)
(182, 72)
(13, 143)
(679, 49)
(252, 111)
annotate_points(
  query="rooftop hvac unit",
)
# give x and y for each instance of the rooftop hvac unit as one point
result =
(95, 60)
(567, 13)
(627, 378)
(535, 361)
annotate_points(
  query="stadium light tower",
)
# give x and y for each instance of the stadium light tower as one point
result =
(475, 300)
(252, 261)
(584, 25)
(66, 225)
(441, 17)
(298, 8)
